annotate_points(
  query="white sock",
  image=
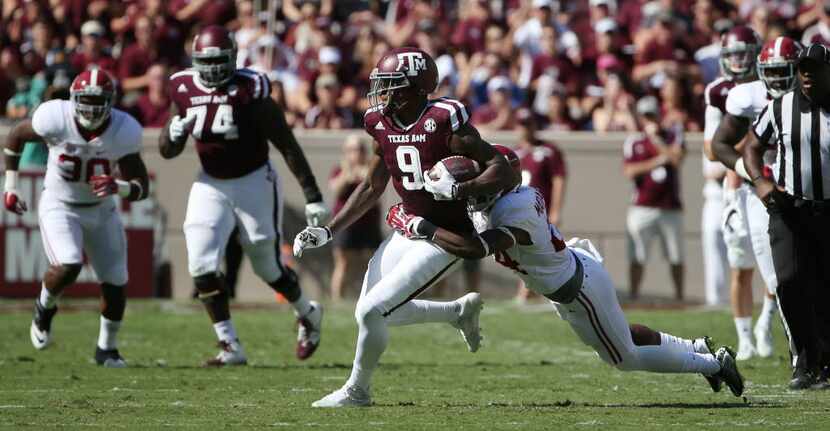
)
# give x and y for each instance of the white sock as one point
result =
(700, 346)
(419, 311)
(677, 343)
(301, 306)
(767, 312)
(372, 337)
(225, 331)
(665, 359)
(107, 334)
(744, 327)
(47, 300)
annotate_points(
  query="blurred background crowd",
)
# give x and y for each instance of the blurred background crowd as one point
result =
(577, 64)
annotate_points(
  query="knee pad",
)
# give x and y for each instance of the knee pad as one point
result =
(211, 287)
(287, 285)
(265, 260)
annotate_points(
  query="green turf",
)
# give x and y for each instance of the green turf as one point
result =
(532, 373)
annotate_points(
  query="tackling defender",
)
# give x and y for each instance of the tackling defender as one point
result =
(513, 226)
(87, 141)
(412, 134)
(231, 116)
(776, 68)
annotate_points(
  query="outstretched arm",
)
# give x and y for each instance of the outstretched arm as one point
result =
(496, 174)
(730, 132)
(481, 245)
(365, 195)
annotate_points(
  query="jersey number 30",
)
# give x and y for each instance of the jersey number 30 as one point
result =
(222, 125)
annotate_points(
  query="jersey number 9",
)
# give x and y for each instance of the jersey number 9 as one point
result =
(409, 162)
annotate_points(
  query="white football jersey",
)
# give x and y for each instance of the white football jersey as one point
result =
(747, 100)
(72, 159)
(546, 264)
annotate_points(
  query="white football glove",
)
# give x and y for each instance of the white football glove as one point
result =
(442, 189)
(180, 127)
(316, 213)
(311, 237)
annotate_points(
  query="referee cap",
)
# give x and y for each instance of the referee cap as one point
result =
(816, 52)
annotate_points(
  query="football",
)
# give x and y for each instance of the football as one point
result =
(461, 168)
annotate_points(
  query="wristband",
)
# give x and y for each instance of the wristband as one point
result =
(426, 229)
(740, 169)
(11, 153)
(11, 181)
(312, 194)
(124, 188)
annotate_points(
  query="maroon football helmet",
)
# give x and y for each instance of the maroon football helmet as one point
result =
(777, 65)
(481, 203)
(402, 75)
(92, 94)
(214, 55)
(738, 49)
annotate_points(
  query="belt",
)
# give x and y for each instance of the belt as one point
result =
(82, 204)
(570, 290)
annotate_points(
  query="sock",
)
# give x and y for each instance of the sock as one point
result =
(372, 337)
(301, 306)
(419, 311)
(744, 327)
(767, 312)
(700, 346)
(676, 343)
(660, 359)
(107, 334)
(47, 300)
(225, 331)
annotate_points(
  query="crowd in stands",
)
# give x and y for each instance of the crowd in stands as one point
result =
(577, 64)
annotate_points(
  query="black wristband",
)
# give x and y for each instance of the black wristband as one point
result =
(427, 229)
(312, 194)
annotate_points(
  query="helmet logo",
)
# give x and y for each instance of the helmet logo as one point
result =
(430, 125)
(415, 62)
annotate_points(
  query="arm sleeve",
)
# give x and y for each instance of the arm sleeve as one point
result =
(764, 126)
(713, 118)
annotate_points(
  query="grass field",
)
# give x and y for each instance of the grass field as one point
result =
(531, 373)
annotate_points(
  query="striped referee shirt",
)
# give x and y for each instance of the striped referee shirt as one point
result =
(801, 132)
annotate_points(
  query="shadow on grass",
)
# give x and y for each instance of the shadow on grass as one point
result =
(571, 404)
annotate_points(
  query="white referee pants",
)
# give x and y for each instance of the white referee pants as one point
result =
(715, 263)
(758, 220)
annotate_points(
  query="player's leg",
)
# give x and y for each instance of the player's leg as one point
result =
(670, 223)
(715, 264)
(208, 224)
(741, 261)
(62, 236)
(758, 220)
(641, 229)
(105, 243)
(256, 207)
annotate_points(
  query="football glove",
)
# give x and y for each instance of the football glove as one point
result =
(442, 189)
(105, 185)
(11, 197)
(311, 237)
(316, 213)
(405, 224)
(181, 127)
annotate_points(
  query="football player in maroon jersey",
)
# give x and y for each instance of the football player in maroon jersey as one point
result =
(412, 133)
(232, 117)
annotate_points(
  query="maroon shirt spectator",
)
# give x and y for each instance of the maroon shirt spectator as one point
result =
(630, 16)
(367, 222)
(543, 165)
(92, 52)
(660, 187)
(326, 114)
(153, 107)
(469, 32)
(496, 114)
(205, 12)
(138, 57)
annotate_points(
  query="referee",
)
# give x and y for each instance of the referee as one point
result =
(798, 202)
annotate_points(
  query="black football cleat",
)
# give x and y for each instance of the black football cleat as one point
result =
(802, 379)
(729, 371)
(109, 358)
(714, 381)
(40, 331)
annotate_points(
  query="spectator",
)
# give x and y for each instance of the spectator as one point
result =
(137, 58)
(558, 118)
(353, 246)
(469, 34)
(665, 54)
(91, 52)
(326, 114)
(203, 12)
(820, 31)
(497, 113)
(615, 114)
(652, 158)
(675, 115)
(25, 99)
(153, 107)
(35, 52)
(248, 33)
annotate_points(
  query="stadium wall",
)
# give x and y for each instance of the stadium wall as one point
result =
(595, 206)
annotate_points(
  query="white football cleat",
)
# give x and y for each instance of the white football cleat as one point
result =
(40, 339)
(746, 350)
(231, 354)
(308, 331)
(347, 396)
(467, 323)
(763, 339)
(40, 331)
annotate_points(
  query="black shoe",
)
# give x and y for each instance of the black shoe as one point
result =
(823, 379)
(729, 371)
(41, 327)
(714, 381)
(109, 358)
(802, 379)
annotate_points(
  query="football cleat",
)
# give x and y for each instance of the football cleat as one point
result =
(347, 396)
(823, 379)
(231, 354)
(706, 347)
(109, 358)
(467, 323)
(763, 339)
(729, 371)
(746, 350)
(308, 331)
(802, 379)
(41, 329)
